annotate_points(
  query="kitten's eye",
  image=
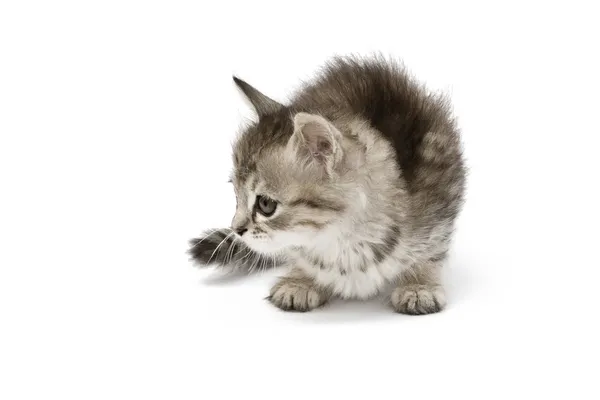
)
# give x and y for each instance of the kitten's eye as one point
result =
(265, 205)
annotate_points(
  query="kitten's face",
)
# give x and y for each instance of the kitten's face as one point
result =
(278, 207)
(286, 176)
(284, 198)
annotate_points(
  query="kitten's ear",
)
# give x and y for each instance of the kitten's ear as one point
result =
(262, 104)
(317, 138)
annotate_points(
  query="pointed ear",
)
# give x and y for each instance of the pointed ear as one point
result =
(261, 103)
(316, 137)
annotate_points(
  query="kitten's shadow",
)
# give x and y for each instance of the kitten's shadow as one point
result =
(344, 311)
(222, 279)
(458, 279)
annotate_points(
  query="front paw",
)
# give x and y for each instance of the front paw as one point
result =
(292, 294)
(213, 247)
(418, 299)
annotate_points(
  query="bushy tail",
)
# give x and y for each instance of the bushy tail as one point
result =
(222, 247)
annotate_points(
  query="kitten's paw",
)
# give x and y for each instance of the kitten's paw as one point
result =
(213, 247)
(296, 295)
(418, 299)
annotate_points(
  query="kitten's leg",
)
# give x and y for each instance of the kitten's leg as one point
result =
(298, 292)
(420, 290)
(223, 248)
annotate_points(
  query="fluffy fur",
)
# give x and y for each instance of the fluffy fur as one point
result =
(367, 172)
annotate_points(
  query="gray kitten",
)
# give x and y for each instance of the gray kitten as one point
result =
(355, 185)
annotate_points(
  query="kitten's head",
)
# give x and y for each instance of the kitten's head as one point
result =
(287, 176)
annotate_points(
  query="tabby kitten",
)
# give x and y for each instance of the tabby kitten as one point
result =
(355, 185)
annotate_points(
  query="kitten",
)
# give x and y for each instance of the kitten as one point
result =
(355, 185)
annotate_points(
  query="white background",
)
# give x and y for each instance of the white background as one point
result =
(116, 119)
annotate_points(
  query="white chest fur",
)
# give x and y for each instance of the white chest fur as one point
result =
(355, 280)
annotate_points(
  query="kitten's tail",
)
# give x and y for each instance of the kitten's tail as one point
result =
(223, 248)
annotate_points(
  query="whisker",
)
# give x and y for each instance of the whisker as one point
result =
(248, 252)
(255, 263)
(230, 252)
(212, 231)
(264, 265)
(219, 245)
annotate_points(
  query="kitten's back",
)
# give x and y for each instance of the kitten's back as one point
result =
(384, 94)
(418, 125)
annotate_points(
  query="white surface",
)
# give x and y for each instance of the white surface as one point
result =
(116, 119)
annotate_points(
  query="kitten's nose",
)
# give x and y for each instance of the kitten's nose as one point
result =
(240, 223)
(241, 231)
